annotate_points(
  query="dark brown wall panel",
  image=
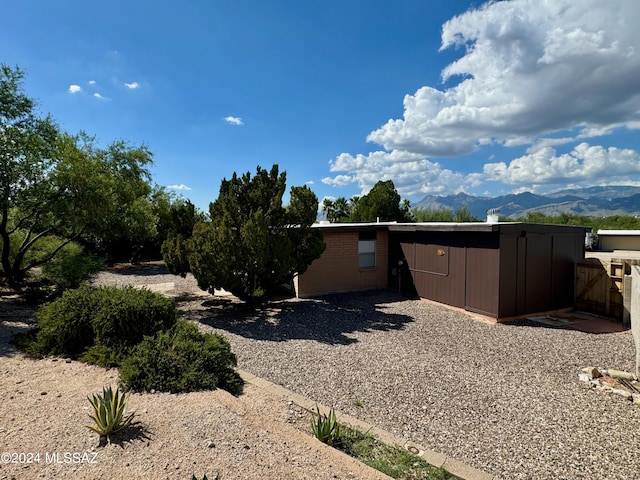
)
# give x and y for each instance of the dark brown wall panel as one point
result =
(510, 272)
(509, 285)
(538, 273)
(448, 288)
(439, 268)
(483, 279)
(563, 269)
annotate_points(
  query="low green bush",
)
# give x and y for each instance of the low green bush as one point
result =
(182, 359)
(107, 357)
(70, 268)
(100, 324)
(65, 325)
(125, 315)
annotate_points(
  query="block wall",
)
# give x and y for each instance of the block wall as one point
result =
(337, 268)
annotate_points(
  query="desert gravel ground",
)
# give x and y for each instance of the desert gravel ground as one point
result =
(502, 398)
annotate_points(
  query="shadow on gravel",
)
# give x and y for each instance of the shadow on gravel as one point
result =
(15, 318)
(136, 431)
(327, 320)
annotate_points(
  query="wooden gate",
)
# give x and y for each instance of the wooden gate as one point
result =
(599, 287)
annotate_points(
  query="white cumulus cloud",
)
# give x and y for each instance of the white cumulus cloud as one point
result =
(339, 180)
(75, 88)
(233, 120)
(181, 186)
(584, 162)
(411, 173)
(533, 73)
(132, 86)
(529, 68)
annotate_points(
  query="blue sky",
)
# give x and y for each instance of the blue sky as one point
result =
(441, 96)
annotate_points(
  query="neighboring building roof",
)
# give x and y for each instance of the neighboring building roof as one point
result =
(629, 233)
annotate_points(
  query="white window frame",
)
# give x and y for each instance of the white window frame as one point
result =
(367, 253)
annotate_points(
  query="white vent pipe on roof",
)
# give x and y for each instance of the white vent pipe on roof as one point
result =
(493, 215)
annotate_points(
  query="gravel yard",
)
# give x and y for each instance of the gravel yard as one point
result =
(502, 398)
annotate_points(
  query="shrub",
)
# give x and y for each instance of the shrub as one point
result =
(107, 357)
(65, 326)
(70, 268)
(182, 360)
(125, 315)
(103, 323)
(175, 253)
(109, 412)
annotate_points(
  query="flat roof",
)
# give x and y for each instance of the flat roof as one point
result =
(504, 227)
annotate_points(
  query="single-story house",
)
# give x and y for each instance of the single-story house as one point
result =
(497, 269)
(619, 239)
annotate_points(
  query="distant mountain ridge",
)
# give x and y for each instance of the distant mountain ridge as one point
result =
(590, 201)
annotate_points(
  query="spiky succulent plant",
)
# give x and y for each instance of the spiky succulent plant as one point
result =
(325, 427)
(109, 412)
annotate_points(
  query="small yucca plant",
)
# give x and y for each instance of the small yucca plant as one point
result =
(325, 427)
(109, 412)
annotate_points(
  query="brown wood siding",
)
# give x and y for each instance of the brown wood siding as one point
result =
(513, 287)
(438, 267)
(502, 270)
(564, 260)
(482, 274)
(539, 251)
(521, 279)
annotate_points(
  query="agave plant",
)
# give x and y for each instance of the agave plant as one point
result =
(109, 412)
(325, 427)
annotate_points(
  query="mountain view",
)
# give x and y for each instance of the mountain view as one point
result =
(591, 201)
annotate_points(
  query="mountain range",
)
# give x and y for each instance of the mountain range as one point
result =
(591, 201)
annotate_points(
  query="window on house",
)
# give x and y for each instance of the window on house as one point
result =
(367, 249)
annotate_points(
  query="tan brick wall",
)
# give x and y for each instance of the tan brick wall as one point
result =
(337, 269)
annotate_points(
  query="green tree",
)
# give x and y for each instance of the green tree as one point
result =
(306, 242)
(427, 214)
(56, 185)
(463, 214)
(253, 244)
(383, 203)
(337, 210)
(175, 248)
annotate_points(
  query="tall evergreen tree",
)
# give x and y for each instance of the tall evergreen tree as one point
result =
(253, 244)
